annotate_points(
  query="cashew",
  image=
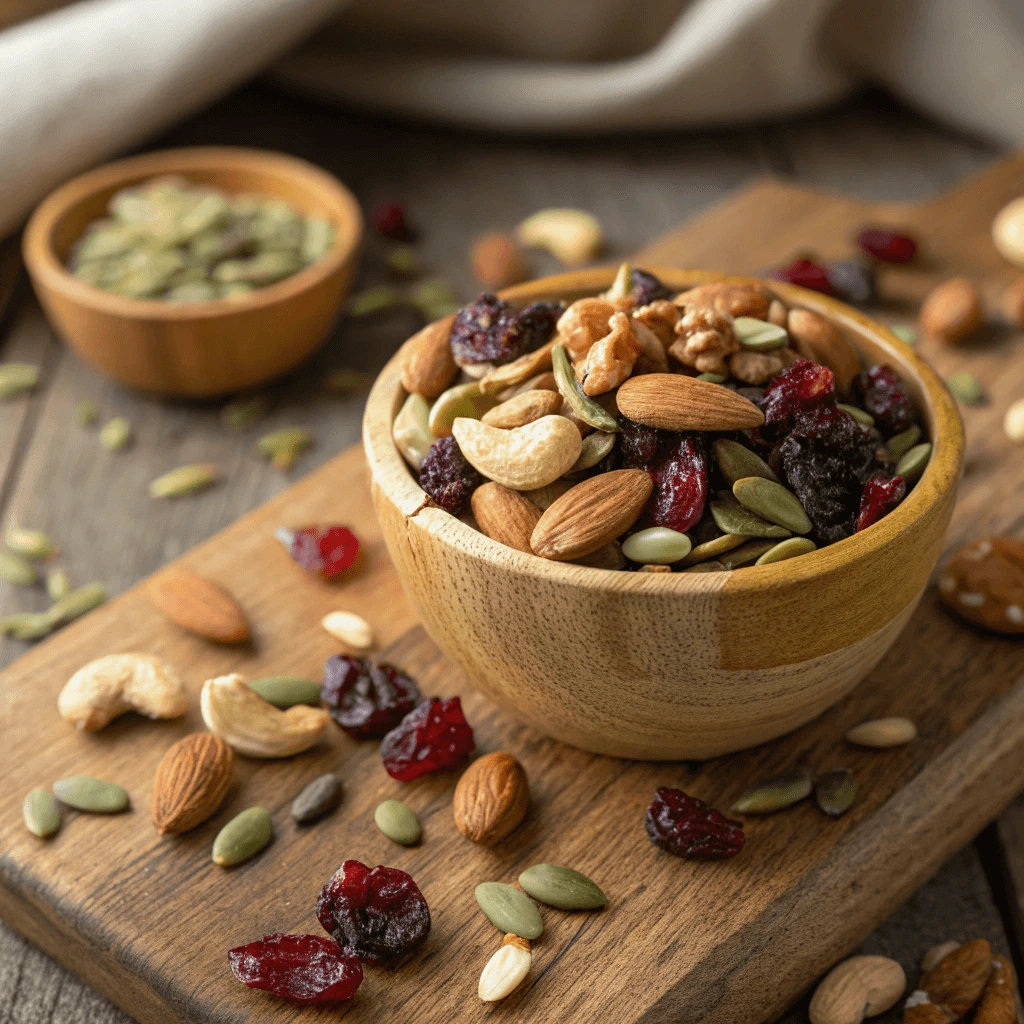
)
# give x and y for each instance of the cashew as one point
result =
(572, 236)
(254, 727)
(523, 458)
(100, 691)
(411, 430)
(523, 409)
(863, 986)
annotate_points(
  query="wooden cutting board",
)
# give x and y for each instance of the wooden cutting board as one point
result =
(148, 919)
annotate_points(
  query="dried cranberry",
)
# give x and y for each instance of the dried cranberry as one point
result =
(435, 737)
(880, 496)
(306, 969)
(880, 391)
(491, 331)
(680, 483)
(807, 274)
(888, 246)
(390, 220)
(800, 386)
(646, 288)
(853, 281)
(367, 698)
(687, 827)
(638, 444)
(377, 915)
(447, 477)
(327, 551)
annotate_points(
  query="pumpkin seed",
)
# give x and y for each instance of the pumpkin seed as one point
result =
(287, 691)
(713, 378)
(509, 910)
(16, 378)
(185, 480)
(284, 446)
(26, 626)
(74, 605)
(737, 462)
(462, 400)
(403, 259)
(906, 334)
(572, 391)
(966, 389)
(30, 543)
(86, 413)
(773, 502)
(411, 430)
(912, 463)
(319, 798)
(41, 813)
(657, 545)
(865, 419)
(900, 444)
(595, 447)
(317, 239)
(383, 298)
(561, 887)
(776, 793)
(882, 733)
(85, 793)
(434, 299)
(731, 517)
(835, 792)
(787, 549)
(243, 837)
(759, 335)
(622, 285)
(58, 585)
(398, 822)
(116, 434)
(712, 549)
(243, 412)
(16, 569)
(746, 554)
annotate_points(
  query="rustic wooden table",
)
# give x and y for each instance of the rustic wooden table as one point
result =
(456, 186)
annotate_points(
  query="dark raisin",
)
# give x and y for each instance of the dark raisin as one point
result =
(802, 385)
(638, 445)
(880, 391)
(447, 477)
(491, 331)
(390, 220)
(880, 496)
(306, 969)
(889, 246)
(646, 288)
(680, 483)
(687, 827)
(853, 281)
(807, 274)
(379, 915)
(435, 737)
(367, 698)
(328, 551)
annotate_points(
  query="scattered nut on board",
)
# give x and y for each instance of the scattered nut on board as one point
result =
(860, 987)
(351, 629)
(984, 584)
(952, 311)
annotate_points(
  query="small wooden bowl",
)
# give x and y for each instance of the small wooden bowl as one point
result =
(669, 666)
(195, 349)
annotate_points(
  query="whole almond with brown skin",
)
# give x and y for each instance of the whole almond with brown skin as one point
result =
(672, 401)
(999, 1000)
(191, 782)
(427, 364)
(591, 514)
(958, 980)
(952, 311)
(819, 340)
(505, 515)
(498, 261)
(491, 798)
(916, 1012)
(198, 605)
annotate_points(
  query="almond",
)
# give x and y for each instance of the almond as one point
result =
(505, 516)
(819, 340)
(427, 364)
(999, 1000)
(591, 514)
(198, 605)
(191, 782)
(671, 401)
(498, 261)
(491, 798)
(958, 980)
(522, 409)
(918, 1009)
(952, 311)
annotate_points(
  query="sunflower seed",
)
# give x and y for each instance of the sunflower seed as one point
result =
(509, 910)
(30, 543)
(759, 335)
(16, 569)
(570, 389)
(318, 799)
(506, 970)
(185, 480)
(243, 837)
(85, 793)
(865, 419)
(964, 387)
(657, 545)
(731, 517)
(737, 462)
(776, 793)
(16, 378)
(787, 549)
(835, 792)
(287, 691)
(41, 813)
(912, 464)
(900, 444)
(746, 554)
(398, 822)
(116, 434)
(712, 549)
(773, 502)
(561, 887)
(883, 732)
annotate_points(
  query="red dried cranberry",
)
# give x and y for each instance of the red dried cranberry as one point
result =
(687, 827)
(306, 969)
(447, 477)
(853, 281)
(434, 737)
(888, 246)
(807, 274)
(680, 483)
(327, 551)
(638, 444)
(491, 331)
(802, 385)
(378, 915)
(646, 288)
(880, 391)
(880, 496)
(367, 698)
(390, 220)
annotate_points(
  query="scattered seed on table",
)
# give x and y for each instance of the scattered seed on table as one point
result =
(116, 434)
(41, 813)
(776, 793)
(243, 837)
(966, 389)
(86, 793)
(397, 822)
(835, 792)
(883, 732)
(561, 887)
(318, 799)
(509, 910)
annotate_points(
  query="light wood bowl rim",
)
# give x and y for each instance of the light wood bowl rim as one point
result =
(45, 265)
(390, 471)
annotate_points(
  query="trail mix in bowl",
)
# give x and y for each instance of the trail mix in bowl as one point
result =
(638, 429)
(183, 242)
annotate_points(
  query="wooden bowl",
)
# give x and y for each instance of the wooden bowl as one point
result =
(195, 349)
(669, 666)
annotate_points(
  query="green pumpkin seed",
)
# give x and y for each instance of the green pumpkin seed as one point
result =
(737, 462)
(509, 910)
(86, 413)
(595, 447)
(284, 446)
(185, 480)
(404, 260)
(381, 299)
(411, 430)
(906, 334)
(759, 335)
(192, 291)
(746, 554)
(317, 239)
(17, 378)
(657, 545)
(116, 434)
(434, 299)
(41, 813)
(835, 792)
(787, 549)
(712, 566)
(30, 543)
(711, 549)
(713, 378)
(317, 799)
(286, 691)
(398, 822)
(74, 605)
(912, 463)
(966, 389)
(243, 837)
(900, 444)
(561, 887)
(16, 569)
(85, 793)
(731, 517)
(776, 793)
(243, 412)
(773, 502)
(865, 419)
(58, 585)
(462, 400)
(572, 391)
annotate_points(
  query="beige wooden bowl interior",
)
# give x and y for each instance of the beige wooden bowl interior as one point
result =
(669, 666)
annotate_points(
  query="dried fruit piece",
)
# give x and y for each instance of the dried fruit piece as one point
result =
(367, 698)
(350, 629)
(984, 584)
(328, 551)
(379, 915)
(41, 813)
(880, 496)
(860, 987)
(776, 793)
(645, 288)
(835, 792)
(952, 311)
(506, 970)
(853, 281)
(94, 796)
(572, 236)
(881, 392)
(882, 733)
(800, 387)
(177, 483)
(198, 605)
(671, 401)
(498, 261)
(491, 798)
(398, 822)
(561, 887)
(821, 341)
(807, 274)
(390, 220)
(191, 781)
(509, 910)
(317, 799)
(886, 245)
(242, 837)
(491, 331)
(505, 515)
(687, 827)
(680, 478)
(305, 969)
(434, 737)
(447, 477)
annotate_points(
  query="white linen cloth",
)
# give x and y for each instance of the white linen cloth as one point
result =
(88, 80)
